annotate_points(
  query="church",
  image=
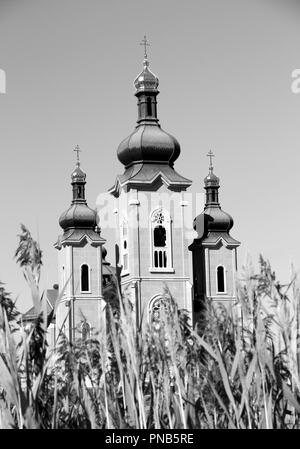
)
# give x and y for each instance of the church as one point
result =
(152, 249)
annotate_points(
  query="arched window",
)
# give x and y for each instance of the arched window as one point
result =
(124, 246)
(85, 331)
(85, 278)
(161, 253)
(221, 282)
(156, 305)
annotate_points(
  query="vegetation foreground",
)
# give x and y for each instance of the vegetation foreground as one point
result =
(240, 370)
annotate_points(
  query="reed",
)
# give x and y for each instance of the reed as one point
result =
(239, 370)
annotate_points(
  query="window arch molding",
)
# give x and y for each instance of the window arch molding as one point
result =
(154, 306)
(85, 278)
(221, 284)
(160, 241)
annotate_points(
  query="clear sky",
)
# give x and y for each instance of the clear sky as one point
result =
(225, 81)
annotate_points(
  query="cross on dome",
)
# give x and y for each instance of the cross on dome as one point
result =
(78, 175)
(211, 180)
(210, 154)
(146, 44)
(77, 150)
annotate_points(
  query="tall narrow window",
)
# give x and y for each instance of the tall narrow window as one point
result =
(220, 279)
(161, 240)
(124, 246)
(63, 280)
(79, 192)
(63, 277)
(85, 281)
(149, 106)
(160, 252)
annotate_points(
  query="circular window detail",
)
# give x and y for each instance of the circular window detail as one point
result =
(159, 217)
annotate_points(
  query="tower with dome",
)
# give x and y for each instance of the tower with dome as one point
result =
(214, 251)
(152, 245)
(80, 304)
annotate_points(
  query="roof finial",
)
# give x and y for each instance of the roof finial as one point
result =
(210, 154)
(146, 44)
(77, 150)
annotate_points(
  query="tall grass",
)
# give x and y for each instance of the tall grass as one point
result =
(239, 370)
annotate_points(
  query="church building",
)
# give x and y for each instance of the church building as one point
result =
(153, 252)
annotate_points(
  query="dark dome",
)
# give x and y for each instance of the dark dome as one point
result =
(78, 216)
(218, 220)
(148, 143)
(212, 220)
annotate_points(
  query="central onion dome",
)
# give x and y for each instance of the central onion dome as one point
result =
(79, 215)
(148, 143)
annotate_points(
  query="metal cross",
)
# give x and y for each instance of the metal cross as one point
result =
(210, 154)
(77, 150)
(146, 44)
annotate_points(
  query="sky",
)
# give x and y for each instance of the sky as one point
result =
(225, 71)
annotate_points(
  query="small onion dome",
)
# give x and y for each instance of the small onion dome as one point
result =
(211, 180)
(146, 80)
(79, 215)
(78, 175)
(212, 220)
(148, 143)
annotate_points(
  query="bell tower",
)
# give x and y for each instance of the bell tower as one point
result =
(151, 245)
(79, 310)
(214, 250)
